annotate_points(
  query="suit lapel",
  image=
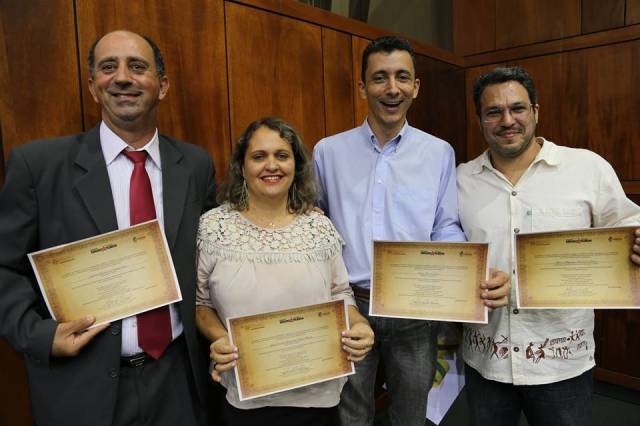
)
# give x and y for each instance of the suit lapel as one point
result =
(93, 185)
(175, 187)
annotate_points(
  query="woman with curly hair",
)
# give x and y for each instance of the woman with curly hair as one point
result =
(263, 250)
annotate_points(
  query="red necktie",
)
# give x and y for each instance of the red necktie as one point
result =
(154, 326)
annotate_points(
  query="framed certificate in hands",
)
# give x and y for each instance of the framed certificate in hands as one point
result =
(289, 349)
(428, 280)
(585, 268)
(110, 276)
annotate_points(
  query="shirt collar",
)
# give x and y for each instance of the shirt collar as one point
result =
(548, 153)
(395, 141)
(112, 145)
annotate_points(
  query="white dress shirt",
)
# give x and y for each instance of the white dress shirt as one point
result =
(119, 169)
(564, 188)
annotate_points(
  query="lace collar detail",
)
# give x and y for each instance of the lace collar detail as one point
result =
(226, 234)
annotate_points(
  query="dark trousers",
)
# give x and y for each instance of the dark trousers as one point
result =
(564, 403)
(279, 416)
(159, 393)
(408, 350)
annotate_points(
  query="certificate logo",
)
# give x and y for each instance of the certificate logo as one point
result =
(432, 252)
(291, 319)
(578, 240)
(103, 248)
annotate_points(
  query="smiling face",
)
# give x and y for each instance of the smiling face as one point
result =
(390, 86)
(125, 83)
(268, 167)
(507, 119)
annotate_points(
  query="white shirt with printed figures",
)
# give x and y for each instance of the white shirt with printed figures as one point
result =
(564, 188)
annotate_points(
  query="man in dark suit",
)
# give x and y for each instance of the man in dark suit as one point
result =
(62, 190)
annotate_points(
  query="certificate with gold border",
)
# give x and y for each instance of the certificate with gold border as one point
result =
(110, 276)
(428, 280)
(289, 349)
(585, 268)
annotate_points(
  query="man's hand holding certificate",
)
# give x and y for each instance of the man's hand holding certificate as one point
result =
(108, 277)
(589, 268)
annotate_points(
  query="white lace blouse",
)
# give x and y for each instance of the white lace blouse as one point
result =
(244, 269)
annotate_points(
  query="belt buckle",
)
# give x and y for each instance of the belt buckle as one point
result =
(137, 360)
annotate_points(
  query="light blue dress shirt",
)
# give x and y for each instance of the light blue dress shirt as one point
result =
(405, 191)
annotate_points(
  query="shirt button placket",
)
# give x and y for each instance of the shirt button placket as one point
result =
(378, 197)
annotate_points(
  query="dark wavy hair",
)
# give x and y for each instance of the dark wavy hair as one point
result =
(503, 75)
(302, 192)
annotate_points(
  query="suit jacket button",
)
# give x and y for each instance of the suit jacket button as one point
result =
(113, 373)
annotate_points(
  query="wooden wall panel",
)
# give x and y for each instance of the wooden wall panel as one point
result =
(613, 105)
(634, 94)
(39, 97)
(632, 13)
(560, 102)
(358, 45)
(275, 68)
(595, 91)
(14, 395)
(598, 15)
(339, 81)
(39, 92)
(474, 26)
(191, 38)
(326, 19)
(439, 108)
(531, 21)
(618, 347)
(588, 98)
(475, 142)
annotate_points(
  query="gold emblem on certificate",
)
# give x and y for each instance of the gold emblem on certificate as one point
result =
(588, 268)
(289, 349)
(428, 280)
(110, 276)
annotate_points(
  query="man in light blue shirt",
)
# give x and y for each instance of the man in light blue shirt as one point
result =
(386, 180)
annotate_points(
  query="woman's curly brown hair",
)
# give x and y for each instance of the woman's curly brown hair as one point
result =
(302, 192)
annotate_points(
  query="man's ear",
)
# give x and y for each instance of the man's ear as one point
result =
(164, 87)
(363, 89)
(92, 90)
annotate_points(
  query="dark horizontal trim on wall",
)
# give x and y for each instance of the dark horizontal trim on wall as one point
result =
(616, 378)
(314, 15)
(618, 35)
(631, 186)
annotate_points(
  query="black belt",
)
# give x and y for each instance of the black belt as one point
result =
(361, 293)
(135, 360)
(143, 358)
